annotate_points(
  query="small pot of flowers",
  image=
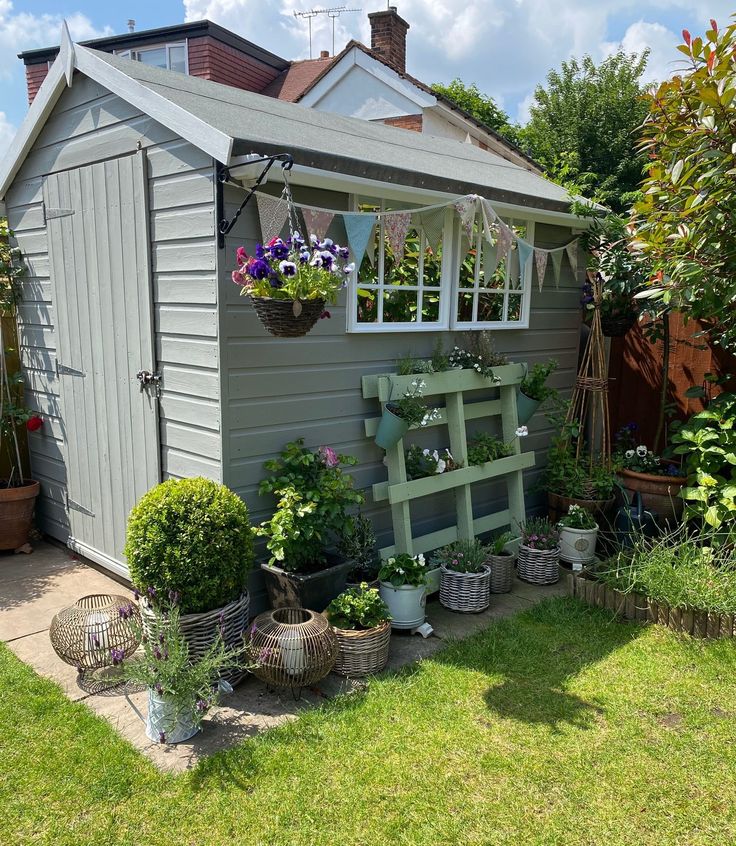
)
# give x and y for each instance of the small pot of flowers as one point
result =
(533, 390)
(290, 281)
(403, 588)
(578, 536)
(501, 561)
(362, 624)
(538, 560)
(358, 545)
(465, 583)
(400, 415)
(421, 463)
(181, 688)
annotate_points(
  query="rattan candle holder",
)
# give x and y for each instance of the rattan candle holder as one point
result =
(293, 647)
(98, 631)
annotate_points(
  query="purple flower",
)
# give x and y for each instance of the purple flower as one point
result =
(287, 268)
(157, 653)
(328, 456)
(304, 256)
(278, 249)
(117, 656)
(174, 597)
(202, 705)
(158, 687)
(136, 594)
(264, 654)
(344, 253)
(259, 268)
(260, 252)
(327, 259)
(151, 591)
(162, 737)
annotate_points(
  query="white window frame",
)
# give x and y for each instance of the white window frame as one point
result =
(449, 289)
(125, 54)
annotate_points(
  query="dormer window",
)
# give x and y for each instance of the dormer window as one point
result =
(168, 56)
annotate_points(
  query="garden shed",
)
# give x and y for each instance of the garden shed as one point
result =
(116, 187)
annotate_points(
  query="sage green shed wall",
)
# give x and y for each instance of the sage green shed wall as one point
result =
(278, 389)
(89, 124)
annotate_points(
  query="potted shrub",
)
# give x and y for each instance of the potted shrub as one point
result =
(290, 282)
(539, 552)
(362, 623)
(190, 540)
(313, 494)
(17, 493)
(501, 561)
(358, 545)
(400, 415)
(403, 588)
(182, 688)
(578, 536)
(533, 390)
(465, 583)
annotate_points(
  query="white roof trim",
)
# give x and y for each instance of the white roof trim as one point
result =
(213, 142)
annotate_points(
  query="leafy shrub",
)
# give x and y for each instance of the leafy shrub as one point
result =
(191, 537)
(534, 383)
(404, 569)
(483, 447)
(358, 608)
(313, 495)
(462, 556)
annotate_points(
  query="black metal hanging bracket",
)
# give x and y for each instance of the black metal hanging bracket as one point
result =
(224, 226)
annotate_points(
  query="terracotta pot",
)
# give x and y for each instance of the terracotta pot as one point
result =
(600, 508)
(16, 514)
(659, 494)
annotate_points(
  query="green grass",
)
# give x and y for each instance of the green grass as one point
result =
(559, 726)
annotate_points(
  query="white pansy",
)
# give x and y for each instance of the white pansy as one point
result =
(441, 466)
(642, 451)
(522, 432)
(630, 453)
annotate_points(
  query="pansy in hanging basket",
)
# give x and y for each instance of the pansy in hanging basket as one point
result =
(290, 281)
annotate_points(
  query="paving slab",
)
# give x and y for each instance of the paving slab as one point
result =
(34, 587)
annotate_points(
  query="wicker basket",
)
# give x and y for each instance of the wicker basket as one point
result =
(293, 647)
(616, 326)
(278, 317)
(200, 630)
(539, 566)
(502, 573)
(362, 652)
(468, 593)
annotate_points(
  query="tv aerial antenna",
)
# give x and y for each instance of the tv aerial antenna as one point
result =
(334, 12)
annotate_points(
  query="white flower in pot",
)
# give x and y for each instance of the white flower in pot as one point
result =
(578, 537)
(403, 587)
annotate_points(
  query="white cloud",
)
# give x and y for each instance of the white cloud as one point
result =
(7, 131)
(661, 42)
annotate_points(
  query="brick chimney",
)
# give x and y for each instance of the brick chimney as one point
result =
(388, 37)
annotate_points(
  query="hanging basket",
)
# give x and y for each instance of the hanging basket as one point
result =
(362, 652)
(617, 325)
(467, 593)
(539, 566)
(288, 318)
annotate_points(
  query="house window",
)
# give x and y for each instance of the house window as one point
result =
(167, 56)
(453, 285)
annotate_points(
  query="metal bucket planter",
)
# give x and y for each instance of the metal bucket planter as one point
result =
(405, 604)
(288, 318)
(539, 566)
(362, 652)
(391, 428)
(525, 407)
(16, 514)
(167, 722)
(502, 572)
(577, 546)
(468, 593)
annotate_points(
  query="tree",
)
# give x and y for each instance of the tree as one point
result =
(686, 219)
(584, 127)
(482, 107)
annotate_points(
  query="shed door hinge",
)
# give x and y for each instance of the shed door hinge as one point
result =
(75, 506)
(65, 370)
(51, 214)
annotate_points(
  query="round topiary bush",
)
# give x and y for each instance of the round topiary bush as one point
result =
(191, 536)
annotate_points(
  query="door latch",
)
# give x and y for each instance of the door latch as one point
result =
(148, 379)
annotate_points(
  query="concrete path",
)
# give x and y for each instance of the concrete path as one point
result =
(34, 587)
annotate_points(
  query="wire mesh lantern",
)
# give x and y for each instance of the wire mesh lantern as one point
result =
(98, 631)
(293, 647)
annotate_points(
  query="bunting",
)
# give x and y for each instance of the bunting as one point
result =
(572, 254)
(359, 228)
(397, 228)
(467, 207)
(525, 250)
(272, 214)
(503, 241)
(432, 223)
(490, 228)
(557, 264)
(317, 221)
(540, 259)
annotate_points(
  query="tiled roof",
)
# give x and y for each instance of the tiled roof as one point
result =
(298, 78)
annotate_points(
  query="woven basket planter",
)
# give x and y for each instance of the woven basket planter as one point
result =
(539, 566)
(502, 572)
(616, 326)
(279, 318)
(362, 652)
(467, 593)
(200, 630)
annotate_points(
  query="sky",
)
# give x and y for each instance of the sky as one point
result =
(505, 46)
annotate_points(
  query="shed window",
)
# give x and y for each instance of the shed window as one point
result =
(168, 56)
(455, 285)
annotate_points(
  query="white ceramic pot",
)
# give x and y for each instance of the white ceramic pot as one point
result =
(577, 546)
(166, 723)
(405, 604)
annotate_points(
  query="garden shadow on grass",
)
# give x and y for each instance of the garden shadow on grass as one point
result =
(536, 653)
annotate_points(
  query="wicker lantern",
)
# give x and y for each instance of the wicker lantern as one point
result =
(98, 631)
(293, 647)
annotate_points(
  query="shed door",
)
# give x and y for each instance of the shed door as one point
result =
(97, 222)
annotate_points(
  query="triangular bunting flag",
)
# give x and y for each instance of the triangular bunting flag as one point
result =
(433, 226)
(272, 213)
(490, 261)
(572, 255)
(490, 227)
(540, 259)
(557, 265)
(318, 222)
(503, 241)
(525, 251)
(359, 229)
(396, 227)
(467, 207)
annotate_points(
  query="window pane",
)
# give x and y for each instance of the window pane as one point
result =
(156, 57)
(490, 307)
(465, 307)
(402, 270)
(514, 311)
(432, 267)
(367, 306)
(178, 59)
(430, 307)
(400, 306)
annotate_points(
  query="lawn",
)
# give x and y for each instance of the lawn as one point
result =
(558, 726)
